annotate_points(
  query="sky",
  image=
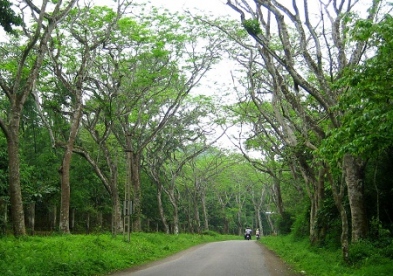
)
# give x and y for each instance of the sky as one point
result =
(217, 7)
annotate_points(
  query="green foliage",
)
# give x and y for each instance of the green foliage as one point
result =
(252, 26)
(89, 254)
(319, 261)
(8, 18)
(367, 120)
(210, 233)
(368, 252)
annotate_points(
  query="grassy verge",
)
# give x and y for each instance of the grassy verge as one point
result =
(366, 260)
(90, 254)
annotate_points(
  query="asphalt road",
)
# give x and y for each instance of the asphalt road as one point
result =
(228, 258)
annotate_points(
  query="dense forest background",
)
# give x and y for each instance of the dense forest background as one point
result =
(103, 106)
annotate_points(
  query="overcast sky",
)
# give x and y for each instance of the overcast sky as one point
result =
(215, 6)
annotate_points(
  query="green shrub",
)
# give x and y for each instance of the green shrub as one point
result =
(360, 251)
(388, 250)
(210, 233)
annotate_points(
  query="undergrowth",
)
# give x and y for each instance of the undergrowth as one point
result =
(365, 258)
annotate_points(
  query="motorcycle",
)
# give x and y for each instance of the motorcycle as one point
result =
(257, 236)
(247, 237)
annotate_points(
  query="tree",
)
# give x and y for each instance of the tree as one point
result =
(162, 64)
(17, 80)
(193, 122)
(203, 170)
(87, 35)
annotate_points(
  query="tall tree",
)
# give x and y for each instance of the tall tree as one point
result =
(78, 54)
(17, 82)
(203, 171)
(187, 126)
(157, 69)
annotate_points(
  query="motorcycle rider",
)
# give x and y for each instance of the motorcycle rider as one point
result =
(257, 233)
(247, 231)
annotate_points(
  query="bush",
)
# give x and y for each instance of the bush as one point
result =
(361, 251)
(210, 233)
(388, 250)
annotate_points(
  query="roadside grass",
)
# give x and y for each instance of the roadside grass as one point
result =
(86, 255)
(365, 259)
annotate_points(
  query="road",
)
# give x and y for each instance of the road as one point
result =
(228, 258)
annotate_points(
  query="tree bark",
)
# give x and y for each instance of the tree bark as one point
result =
(205, 212)
(64, 222)
(117, 225)
(338, 196)
(65, 190)
(161, 209)
(17, 212)
(354, 176)
(31, 216)
(136, 192)
(175, 220)
(197, 219)
(53, 217)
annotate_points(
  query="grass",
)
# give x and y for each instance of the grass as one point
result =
(90, 254)
(314, 261)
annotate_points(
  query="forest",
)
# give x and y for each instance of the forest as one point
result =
(111, 119)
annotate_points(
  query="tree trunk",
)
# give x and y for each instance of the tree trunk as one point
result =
(318, 195)
(277, 195)
(117, 223)
(99, 219)
(72, 226)
(205, 213)
(31, 216)
(354, 177)
(344, 233)
(17, 213)
(64, 219)
(197, 224)
(64, 223)
(161, 209)
(175, 220)
(136, 192)
(53, 217)
(269, 219)
(338, 195)
(258, 219)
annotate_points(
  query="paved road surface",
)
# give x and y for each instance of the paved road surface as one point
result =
(228, 258)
